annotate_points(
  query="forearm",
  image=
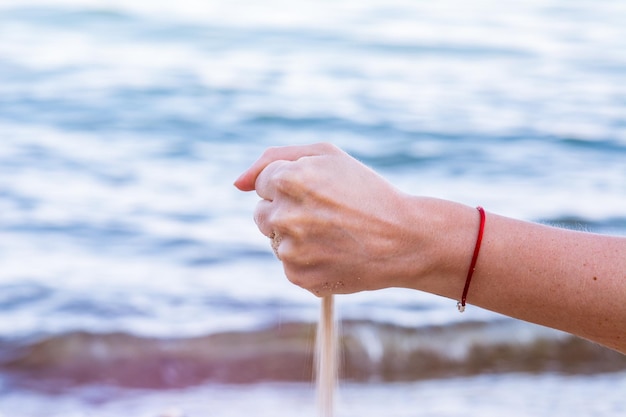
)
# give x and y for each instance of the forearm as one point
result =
(569, 280)
(344, 229)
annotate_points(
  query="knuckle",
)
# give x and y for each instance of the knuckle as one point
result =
(290, 222)
(291, 179)
(283, 180)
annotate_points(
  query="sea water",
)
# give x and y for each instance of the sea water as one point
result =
(131, 270)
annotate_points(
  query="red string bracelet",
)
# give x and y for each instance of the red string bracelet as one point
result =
(461, 304)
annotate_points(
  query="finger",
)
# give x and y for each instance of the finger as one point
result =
(262, 215)
(266, 182)
(304, 277)
(247, 180)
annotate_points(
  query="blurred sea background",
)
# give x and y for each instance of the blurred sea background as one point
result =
(133, 281)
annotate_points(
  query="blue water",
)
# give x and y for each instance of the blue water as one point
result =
(123, 125)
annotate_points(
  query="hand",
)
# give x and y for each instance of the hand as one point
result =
(341, 226)
(344, 229)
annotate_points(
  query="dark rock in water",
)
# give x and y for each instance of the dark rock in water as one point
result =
(283, 353)
(369, 351)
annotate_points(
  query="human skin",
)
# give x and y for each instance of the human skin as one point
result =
(345, 229)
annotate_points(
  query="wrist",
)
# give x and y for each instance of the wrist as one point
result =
(445, 233)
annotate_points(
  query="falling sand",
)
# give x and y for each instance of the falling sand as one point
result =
(326, 358)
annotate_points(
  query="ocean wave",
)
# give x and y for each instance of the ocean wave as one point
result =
(370, 351)
(610, 225)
